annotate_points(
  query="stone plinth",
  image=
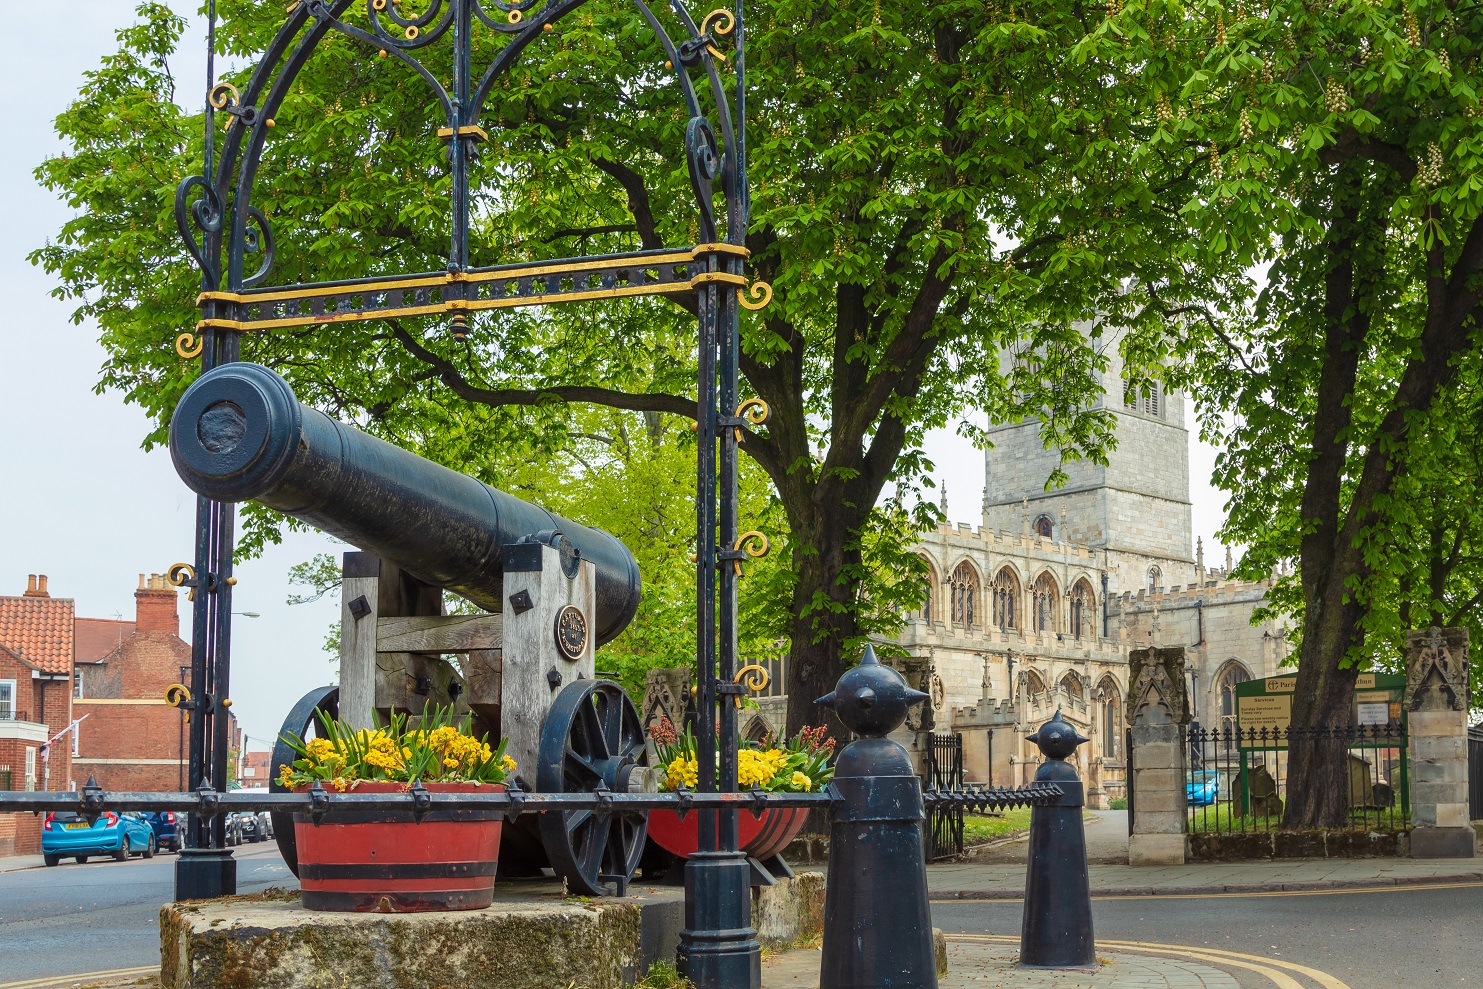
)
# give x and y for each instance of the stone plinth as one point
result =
(1159, 714)
(531, 937)
(1437, 703)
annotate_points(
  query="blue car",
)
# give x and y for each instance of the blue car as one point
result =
(1202, 788)
(165, 834)
(119, 835)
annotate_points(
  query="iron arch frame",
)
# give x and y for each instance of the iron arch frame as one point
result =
(227, 234)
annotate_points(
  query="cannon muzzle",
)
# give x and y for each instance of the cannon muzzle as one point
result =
(239, 434)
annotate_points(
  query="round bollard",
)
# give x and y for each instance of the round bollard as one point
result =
(1057, 924)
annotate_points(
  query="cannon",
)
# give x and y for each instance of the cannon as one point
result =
(553, 590)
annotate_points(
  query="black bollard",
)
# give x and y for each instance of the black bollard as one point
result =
(1057, 924)
(877, 918)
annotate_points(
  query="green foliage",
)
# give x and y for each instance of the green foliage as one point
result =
(935, 185)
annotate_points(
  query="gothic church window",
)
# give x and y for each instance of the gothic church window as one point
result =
(1033, 684)
(1046, 601)
(963, 595)
(925, 612)
(1155, 579)
(1083, 610)
(1225, 686)
(1043, 527)
(1112, 718)
(1006, 593)
(1071, 687)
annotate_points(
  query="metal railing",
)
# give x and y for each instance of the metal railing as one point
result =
(945, 825)
(1475, 774)
(8, 713)
(1238, 779)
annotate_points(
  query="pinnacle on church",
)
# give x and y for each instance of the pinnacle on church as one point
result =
(1199, 553)
(943, 501)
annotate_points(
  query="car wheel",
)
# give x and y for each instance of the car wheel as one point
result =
(149, 848)
(122, 854)
(52, 859)
(81, 859)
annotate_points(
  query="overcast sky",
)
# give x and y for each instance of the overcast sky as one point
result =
(81, 501)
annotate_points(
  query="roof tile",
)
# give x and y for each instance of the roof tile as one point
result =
(39, 630)
(97, 637)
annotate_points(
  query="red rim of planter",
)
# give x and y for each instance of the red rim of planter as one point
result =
(759, 837)
(388, 862)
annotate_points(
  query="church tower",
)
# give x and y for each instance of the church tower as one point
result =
(1136, 509)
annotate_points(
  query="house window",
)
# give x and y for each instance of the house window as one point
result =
(76, 729)
(30, 768)
(7, 700)
(77, 684)
(1043, 527)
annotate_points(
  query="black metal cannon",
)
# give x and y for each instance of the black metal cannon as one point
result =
(240, 434)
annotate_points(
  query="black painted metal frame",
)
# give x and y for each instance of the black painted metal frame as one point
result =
(224, 230)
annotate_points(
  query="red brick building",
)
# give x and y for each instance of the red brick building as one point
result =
(106, 678)
(36, 649)
(128, 738)
(256, 768)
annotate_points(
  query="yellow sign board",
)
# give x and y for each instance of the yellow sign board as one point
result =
(1281, 685)
(1269, 711)
(1365, 681)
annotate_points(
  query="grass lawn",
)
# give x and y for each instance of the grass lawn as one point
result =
(1218, 817)
(977, 830)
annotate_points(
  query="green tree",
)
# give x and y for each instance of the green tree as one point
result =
(1336, 143)
(935, 185)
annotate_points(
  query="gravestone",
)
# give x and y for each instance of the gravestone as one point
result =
(1158, 712)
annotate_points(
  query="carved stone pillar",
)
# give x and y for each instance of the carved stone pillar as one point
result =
(1437, 705)
(1158, 711)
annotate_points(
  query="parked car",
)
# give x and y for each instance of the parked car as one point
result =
(1202, 787)
(249, 828)
(233, 829)
(165, 835)
(66, 832)
(264, 826)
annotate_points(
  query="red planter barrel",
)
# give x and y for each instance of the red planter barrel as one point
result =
(760, 838)
(386, 861)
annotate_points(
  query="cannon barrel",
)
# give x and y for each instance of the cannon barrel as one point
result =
(240, 434)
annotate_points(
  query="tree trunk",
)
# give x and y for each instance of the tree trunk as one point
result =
(822, 621)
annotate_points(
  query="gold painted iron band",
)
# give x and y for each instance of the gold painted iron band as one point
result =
(724, 277)
(451, 306)
(467, 130)
(466, 277)
(719, 248)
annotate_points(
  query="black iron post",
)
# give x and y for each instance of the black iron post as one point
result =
(1057, 926)
(877, 918)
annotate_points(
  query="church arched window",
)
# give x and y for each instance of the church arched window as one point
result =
(1112, 717)
(1155, 579)
(1043, 527)
(1071, 687)
(1226, 680)
(1033, 683)
(963, 595)
(1006, 595)
(1046, 604)
(1083, 610)
(926, 610)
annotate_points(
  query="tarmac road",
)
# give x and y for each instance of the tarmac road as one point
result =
(103, 915)
(1387, 938)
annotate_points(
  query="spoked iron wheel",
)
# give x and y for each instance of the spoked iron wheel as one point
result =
(303, 721)
(592, 734)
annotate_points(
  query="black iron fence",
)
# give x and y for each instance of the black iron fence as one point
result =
(1475, 774)
(1238, 778)
(944, 831)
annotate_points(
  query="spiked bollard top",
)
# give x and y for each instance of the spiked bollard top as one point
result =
(871, 699)
(1057, 739)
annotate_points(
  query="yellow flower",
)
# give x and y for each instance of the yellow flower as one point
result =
(803, 782)
(507, 763)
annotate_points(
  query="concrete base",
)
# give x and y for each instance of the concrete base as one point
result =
(1442, 843)
(1156, 849)
(531, 938)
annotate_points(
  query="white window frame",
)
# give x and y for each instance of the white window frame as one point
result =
(30, 767)
(76, 730)
(77, 683)
(7, 685)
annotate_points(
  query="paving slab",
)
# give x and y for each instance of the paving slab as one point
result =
(973, 965)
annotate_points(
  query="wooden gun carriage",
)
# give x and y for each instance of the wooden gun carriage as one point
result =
(553, 590)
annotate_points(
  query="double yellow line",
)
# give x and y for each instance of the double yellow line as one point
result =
(1275, 970)
(86, 978)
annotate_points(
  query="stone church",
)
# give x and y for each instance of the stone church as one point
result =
(1037, 606)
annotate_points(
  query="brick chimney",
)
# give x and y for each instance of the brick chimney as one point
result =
(36, 586)
(154, 606)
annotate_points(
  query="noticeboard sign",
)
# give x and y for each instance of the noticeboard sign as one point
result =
(1267, 705)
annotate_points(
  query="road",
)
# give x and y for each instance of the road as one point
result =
(75, 919)
(1383, 939)
(103, 915)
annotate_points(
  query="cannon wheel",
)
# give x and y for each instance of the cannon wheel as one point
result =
(591, 735)
(302, 718)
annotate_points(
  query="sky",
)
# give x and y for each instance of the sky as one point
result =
(83, 503)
